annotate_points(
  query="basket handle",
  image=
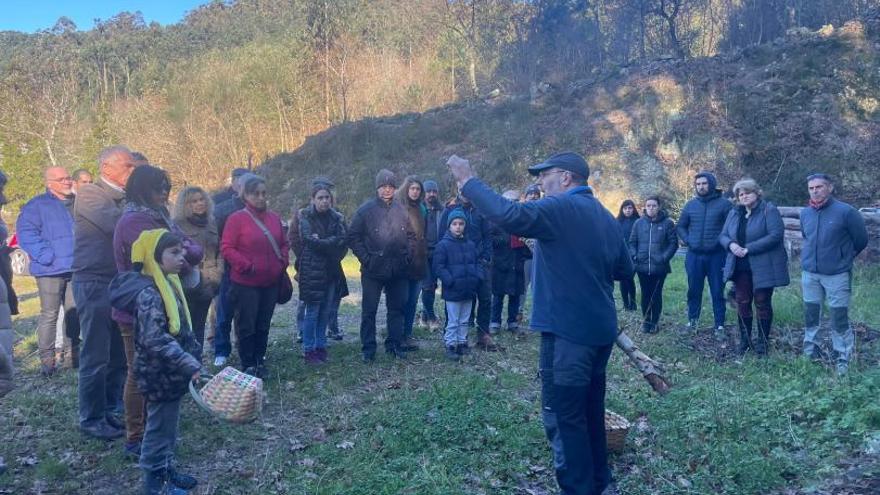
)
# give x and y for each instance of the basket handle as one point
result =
(197, 396)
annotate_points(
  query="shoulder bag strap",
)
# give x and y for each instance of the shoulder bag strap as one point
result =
(266, 233)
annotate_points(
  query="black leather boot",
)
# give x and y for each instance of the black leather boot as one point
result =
(762, 340)
(745, 334)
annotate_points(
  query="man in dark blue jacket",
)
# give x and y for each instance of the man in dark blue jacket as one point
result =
(834, 234)
(699, 226)
(45, 233)
(578, 254)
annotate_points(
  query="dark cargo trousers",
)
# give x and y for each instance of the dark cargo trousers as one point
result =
(573, 411)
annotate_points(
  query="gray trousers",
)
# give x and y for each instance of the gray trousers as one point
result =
(457, 314)
(836, 290)
(160, 435)
(102, 359)
(54, 293)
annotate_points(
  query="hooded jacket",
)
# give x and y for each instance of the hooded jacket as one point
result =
(45, 233)
(764, 238)
(456, 265)
(319, 261)
(381, 237)
(833, 236)
(477, 228)
(702, 218)
(653, 243)
(163, 363)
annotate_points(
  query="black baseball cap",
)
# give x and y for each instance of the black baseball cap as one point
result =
(567, 160)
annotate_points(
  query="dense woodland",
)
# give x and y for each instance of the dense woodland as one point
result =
(242, 80)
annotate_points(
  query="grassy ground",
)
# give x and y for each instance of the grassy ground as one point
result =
(426, 426)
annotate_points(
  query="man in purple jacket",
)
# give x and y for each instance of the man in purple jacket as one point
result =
(45, 233)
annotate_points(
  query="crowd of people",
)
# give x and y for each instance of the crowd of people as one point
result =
(136, 280)
(742, 242)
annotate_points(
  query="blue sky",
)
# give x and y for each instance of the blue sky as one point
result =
(32, 15)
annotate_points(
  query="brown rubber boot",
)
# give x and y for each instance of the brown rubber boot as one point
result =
(47, 363)
(485, 342)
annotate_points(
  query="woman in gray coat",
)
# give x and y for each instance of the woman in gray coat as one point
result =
(756, 260)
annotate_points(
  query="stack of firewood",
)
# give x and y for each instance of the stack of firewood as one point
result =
(794, 239)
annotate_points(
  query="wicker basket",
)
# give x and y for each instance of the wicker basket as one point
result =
(616, 428)
(231, 395)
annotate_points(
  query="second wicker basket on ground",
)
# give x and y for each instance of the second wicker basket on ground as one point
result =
(231, 395)
(616, 428)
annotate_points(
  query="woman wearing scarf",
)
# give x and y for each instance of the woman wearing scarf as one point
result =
(194, 213)
(756, 261)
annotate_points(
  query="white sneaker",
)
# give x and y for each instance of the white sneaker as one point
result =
(219, 361)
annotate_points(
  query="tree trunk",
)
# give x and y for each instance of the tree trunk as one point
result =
(650, 369)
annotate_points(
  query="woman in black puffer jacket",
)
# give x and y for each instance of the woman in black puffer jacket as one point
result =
(321, 279)
(652, 245)
(627, 217)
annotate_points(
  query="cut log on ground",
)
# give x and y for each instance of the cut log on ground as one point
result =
(650, 369)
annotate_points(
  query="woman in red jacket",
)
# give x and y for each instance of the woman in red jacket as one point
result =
(256, 249)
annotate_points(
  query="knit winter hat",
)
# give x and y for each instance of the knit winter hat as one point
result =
(386, 177)
(431, 185)
(456, 213)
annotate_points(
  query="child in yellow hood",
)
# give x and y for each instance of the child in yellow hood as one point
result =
(164, 350)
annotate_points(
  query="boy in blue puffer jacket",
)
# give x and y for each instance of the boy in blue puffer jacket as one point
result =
(456, 265)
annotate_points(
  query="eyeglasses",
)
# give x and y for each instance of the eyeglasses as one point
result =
(545, 173)
(62, 179)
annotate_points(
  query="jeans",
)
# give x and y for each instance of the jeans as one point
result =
(652, 297)
(160, 436)
(314, 321)
(699, 267)
(409, 307)
(429, 293)
(837, 290)
(395, 293)
(198, 313)
(102, 360)
(512, 310)
(333, 316)
(225, 312)
(54, 292)
(131, 394)
(628, 294)
(255, 306)
(573, 411)
(457, 313)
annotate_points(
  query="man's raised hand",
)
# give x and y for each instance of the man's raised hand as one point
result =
(460, 169)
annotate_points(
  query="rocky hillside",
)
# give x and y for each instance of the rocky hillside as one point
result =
(776, 112)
